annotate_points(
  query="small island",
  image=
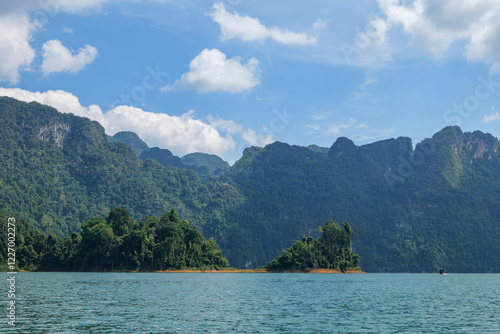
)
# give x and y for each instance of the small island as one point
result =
(117, 243)
(331, 253)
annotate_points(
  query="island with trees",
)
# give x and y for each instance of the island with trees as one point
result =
(332, 252)
(116, 243)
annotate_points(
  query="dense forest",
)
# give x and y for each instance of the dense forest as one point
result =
(333, 250)
(417, 208)
(116, 243)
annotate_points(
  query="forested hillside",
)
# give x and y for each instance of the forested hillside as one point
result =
(416, 209)
(64, 166)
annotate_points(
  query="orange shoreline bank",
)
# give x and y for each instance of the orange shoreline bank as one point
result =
(262, 271)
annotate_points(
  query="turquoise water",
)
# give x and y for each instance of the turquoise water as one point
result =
(254, 303)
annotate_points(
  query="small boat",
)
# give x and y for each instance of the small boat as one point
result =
(442, 272)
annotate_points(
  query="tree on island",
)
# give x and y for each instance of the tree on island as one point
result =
(119, 243)
(333, 250)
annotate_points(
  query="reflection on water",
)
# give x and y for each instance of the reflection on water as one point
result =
(255, 303)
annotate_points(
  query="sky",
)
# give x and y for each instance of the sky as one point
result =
(220, 76)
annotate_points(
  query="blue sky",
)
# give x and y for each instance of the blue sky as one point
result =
(220, 76)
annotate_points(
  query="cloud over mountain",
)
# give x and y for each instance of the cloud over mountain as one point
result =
(211, 71)
(180, 134)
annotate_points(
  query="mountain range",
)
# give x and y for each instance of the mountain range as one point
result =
(416, 208)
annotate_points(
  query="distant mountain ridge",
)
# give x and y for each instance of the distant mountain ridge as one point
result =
(205, 164)
(415, 209)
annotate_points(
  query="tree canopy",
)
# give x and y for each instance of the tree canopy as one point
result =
(117, 243)
(333, 250)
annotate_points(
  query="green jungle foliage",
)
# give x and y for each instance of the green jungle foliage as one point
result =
(63, 165)
(116, 243)
(418, 208)
(333, 250)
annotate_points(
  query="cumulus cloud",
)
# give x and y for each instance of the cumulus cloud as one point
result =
(491, 118)
(211, 71)
(435, 25)
(20, 20)
(180, 134)
(16, 52)
(58, 58)
(249, 29)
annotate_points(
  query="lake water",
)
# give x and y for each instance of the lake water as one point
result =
(254, 303)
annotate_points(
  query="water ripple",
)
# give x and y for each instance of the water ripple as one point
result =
(256, 303)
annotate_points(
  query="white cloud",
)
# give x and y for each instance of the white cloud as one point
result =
(180, 134)
(249, 29)
(16, 53)
(20, 20)
(211, 71)
(435, 25)
(491, 118)
(58, 58)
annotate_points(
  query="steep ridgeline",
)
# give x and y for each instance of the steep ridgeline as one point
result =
(415, 209)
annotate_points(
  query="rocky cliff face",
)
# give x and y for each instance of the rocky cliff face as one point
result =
(469, 146)
(54, 132)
